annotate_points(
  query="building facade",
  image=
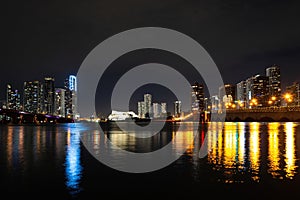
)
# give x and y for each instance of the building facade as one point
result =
(273, 73)
(70, 87)
(257, 89)
(197, 97)
(33, 97)
(13, 98)
(177, 108)
(59, 104)
(148, 103)
(49, 95)
(241, 94)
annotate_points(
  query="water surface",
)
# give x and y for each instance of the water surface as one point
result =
(244, 159)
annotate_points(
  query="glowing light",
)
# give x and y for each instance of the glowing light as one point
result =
(273, 98)
(255, 150)
(287, 96)
(73, 83)
(230, 145)
(242, 139)
(273, 154)
(290, 157)
(73, 166)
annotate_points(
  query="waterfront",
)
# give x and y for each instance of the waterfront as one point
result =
(244, 159)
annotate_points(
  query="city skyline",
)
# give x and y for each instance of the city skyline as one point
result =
(266, 89)
(44, 97)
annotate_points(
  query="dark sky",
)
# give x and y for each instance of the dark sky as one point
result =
(52, 38)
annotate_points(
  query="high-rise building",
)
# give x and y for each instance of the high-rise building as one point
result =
(163, 109)
(141, 109)
(59, 104)
(177, 108)
(273, 73)
(148, 103)
(207, 104)
(214, 103)
(227, 96)
(13, 99)
(33, 98)
(197, 97)
(257, 91)
(49, 95)
(156, 110)
(227, 90)
(71, 97)
(241, 94)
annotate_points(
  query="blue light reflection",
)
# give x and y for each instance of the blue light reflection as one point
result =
(73, 165)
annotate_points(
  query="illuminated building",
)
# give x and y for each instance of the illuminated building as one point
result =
(121, 116)
(227, 95)
(33, 98)
(197, 97)
(148, 103)
(241, 94)
(214, 103)
(71, 97)
(177, 108)
(257, 91)
(273, 73)
(12, 98)
(163, 109)
(141, 109)
(49, 95)
(156, 110)
(59, 104)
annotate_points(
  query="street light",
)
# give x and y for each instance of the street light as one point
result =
(253, 102)
(288, 98)
(273, 98)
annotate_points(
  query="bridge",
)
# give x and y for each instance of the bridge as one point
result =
(267, 114)
(15, 117)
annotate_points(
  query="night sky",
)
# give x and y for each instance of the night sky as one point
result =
(52, 38)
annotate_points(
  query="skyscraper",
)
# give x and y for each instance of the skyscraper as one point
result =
(71, 97)
(148, 102)
(197, 97)
(257, 91)
(156, 110)
(241, 94)
(163, 109)
(13, 99)
(177, 108)
(33, 98)
(49, 93)
(227, 96)
(59, 104)
(141, 109)
(273, 73)
(226, 91)
(214, 103)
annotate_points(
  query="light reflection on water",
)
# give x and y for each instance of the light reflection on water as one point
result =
(73, 165)
(237, 152)
(242, 152)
